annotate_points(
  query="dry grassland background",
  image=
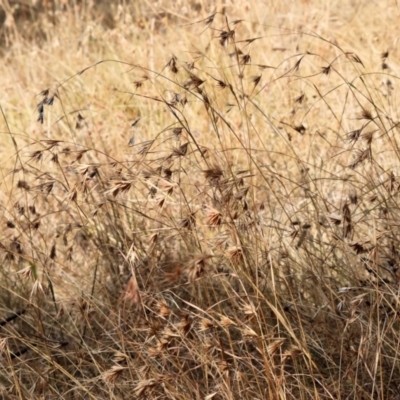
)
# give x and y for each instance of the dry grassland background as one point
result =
(199, 200)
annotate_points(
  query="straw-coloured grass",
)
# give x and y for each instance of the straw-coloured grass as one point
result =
(199, 203)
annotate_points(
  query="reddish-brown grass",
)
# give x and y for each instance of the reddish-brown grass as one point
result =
(199, 202)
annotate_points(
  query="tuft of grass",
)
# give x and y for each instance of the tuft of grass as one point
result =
(205, 206)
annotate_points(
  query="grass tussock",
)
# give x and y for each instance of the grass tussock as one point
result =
(198, 206)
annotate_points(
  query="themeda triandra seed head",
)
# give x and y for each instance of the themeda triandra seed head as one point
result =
(132, 139)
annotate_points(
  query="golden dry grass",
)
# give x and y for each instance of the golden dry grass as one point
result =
(239, 241)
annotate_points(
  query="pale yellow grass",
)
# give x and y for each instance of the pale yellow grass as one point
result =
(220, 269)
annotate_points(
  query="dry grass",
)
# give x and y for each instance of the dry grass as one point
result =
(200, 202)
